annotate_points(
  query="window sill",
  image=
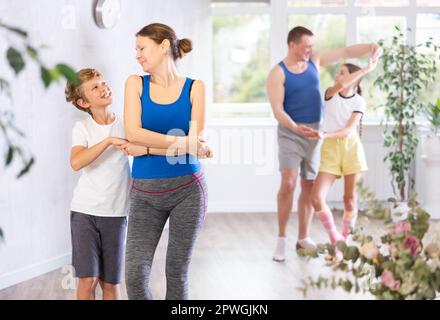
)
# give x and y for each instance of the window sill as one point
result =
(271, 122)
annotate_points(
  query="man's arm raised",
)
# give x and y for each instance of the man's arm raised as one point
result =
(331, 57)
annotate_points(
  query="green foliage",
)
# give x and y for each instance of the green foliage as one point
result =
(432, 113)
(406, 74)
(16, 59)
(373, 207)
(15, 30)
(393, 267)
(67, 72)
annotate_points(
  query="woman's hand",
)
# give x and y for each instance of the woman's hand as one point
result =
(196, 145)
(118, 143)
(205, 152)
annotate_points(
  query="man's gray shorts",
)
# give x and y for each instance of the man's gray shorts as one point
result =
(98, 246)
(295, 151)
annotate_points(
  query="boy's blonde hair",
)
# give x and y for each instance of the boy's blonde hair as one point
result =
(75, 92)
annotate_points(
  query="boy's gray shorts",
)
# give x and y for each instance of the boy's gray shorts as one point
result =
(98, 246)
(296, 152)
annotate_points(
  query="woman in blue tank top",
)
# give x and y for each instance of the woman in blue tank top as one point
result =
(165, 115)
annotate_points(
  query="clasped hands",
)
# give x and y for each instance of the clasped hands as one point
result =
(197, 148)
(308, 132)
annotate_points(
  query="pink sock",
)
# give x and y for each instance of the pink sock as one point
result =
(327, 220)
(348, 222)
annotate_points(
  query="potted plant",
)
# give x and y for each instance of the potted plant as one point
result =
(406, 72)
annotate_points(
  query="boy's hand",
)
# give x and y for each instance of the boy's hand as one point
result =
(117, 141)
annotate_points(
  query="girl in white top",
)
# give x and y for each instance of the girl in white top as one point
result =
(342, 153)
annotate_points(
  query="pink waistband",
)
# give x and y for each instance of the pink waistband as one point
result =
(168, 190)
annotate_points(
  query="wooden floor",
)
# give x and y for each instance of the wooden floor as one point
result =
(232, 260)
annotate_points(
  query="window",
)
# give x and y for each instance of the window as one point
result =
(241, 58)
(384, 28)
(232, 4)
(323, 27)
(381, 3)
(428, 26)
(317, 3)
(428, 3)
(244, 48)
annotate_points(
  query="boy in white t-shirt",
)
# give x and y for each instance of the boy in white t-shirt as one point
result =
(342, 153)
(100, 201)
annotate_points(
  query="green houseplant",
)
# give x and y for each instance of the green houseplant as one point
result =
(11, 137)
(406, 72)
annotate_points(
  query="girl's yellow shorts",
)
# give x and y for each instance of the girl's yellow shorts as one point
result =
(343, 156)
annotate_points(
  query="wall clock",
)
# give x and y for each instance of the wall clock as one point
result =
(107, 13)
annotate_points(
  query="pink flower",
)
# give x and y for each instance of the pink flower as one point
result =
(387, 278)
(400, 227)
(412, 244)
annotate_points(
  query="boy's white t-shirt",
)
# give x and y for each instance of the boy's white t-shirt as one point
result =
(103, 187)
(338, 110)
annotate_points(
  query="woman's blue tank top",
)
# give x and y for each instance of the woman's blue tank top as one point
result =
(171, 119)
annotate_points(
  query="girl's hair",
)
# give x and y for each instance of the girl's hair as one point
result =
(75, 92)
(353, 68)
(158, 32)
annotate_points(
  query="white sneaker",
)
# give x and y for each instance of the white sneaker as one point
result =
(280, 251)
(306, 243)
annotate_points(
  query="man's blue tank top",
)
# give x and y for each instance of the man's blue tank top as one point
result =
(172, 119)
(302, 98)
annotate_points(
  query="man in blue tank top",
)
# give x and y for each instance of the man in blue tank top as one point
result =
(293, 92)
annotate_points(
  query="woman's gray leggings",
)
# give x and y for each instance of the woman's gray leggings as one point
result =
(182, 199)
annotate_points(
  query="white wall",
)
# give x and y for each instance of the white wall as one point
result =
(34, 211)
(243, 176)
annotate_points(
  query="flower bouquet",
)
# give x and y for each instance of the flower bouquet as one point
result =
(395, 266)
